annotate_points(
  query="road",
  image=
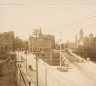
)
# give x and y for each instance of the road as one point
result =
(82, 74)
(87, 70)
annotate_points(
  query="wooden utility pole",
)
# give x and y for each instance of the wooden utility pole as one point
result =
(60, 51)
(32, 44)
(45, 76)
(26, 56)
(36, 32)
(50, 52)
(26, 61)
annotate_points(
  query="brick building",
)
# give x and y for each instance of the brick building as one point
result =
(44, 43)
(6, 41)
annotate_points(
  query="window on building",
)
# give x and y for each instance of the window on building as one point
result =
(2, 49)
(5, 47)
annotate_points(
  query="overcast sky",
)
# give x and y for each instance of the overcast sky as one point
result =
(53, 16)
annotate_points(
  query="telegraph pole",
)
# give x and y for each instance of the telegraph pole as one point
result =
(35, 32)
(32, 44)
(46, 76)
(26, 57)
(50, 53)
(11, 44)
(36, 60)
(26, 61)
(83, 53)
(60, 51)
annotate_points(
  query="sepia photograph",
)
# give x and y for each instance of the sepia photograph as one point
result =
(47, 42)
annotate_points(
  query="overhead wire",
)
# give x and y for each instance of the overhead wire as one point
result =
(47, 4)
(77, 22)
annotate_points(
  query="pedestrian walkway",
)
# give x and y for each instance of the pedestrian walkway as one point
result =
(25, 79)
